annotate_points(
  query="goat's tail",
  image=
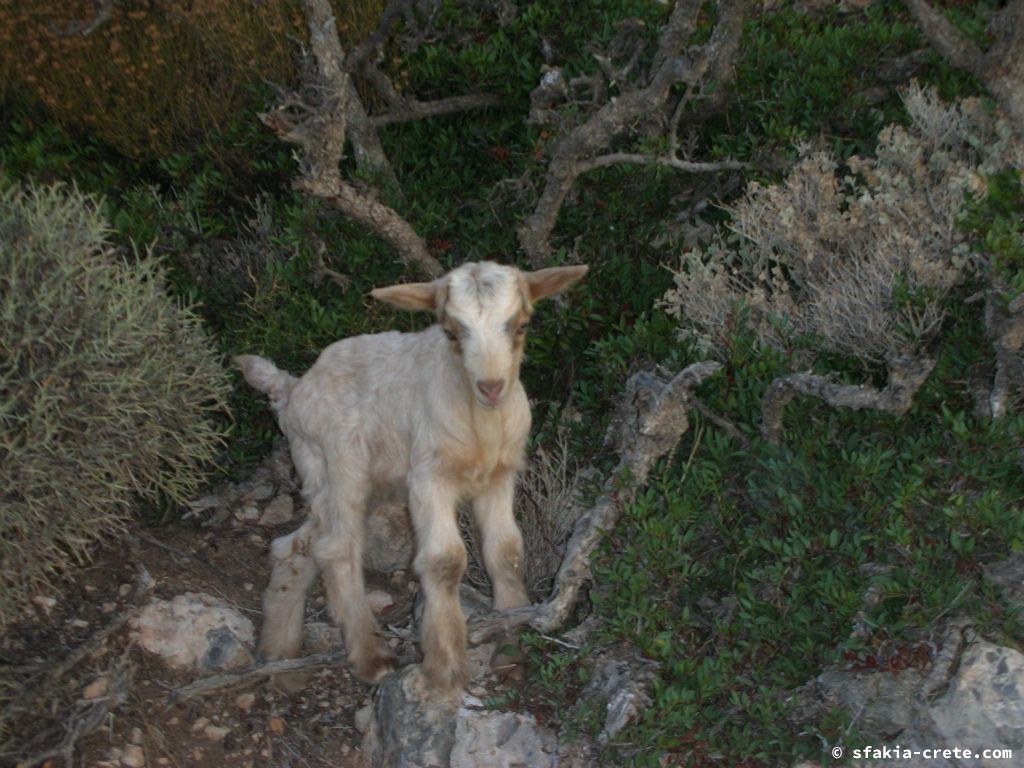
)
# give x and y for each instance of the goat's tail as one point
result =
(267, 378)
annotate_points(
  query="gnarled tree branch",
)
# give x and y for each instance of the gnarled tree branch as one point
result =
(906, 375)
(575, 152)
(1000, 69)
(331, 111)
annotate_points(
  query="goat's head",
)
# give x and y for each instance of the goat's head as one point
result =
(484, 309)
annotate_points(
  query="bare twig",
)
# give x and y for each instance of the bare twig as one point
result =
(722, 423)
(332, 112)
(419, 110)
(627, 158)
(253, 674)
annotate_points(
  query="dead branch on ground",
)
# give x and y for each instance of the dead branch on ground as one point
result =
(256, 673)
(906, 376)
(641, 98)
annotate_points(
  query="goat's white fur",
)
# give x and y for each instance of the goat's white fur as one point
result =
(440, 414)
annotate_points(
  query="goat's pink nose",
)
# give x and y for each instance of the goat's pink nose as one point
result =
(491, 389)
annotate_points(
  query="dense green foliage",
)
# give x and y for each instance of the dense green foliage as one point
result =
(107, 386)
(739, 571)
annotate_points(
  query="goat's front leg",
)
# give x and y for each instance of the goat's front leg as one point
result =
(502, 542)
(440, 562)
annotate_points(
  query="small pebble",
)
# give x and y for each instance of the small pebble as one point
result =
(216, 732)
(136, 736)
(244, 701)
(46, 603)
(199, 724)
(95, 689)
(362, 717)
(276, 725)
(379, 600)
(108, 607)
(134, 756)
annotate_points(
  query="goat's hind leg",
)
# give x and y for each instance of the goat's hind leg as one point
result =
(284, 601)
(339, 554)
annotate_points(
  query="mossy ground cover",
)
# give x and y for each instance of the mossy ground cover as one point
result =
(740, 571)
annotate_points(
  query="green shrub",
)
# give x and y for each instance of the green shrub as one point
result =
(106, 388)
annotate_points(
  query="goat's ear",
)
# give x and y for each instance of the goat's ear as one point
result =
(415, 297)
(548, 282)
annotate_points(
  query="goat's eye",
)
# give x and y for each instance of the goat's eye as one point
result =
(450, 334)
(522, 328)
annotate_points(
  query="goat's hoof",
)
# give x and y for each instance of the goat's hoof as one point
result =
(447, 679)
(377, 664)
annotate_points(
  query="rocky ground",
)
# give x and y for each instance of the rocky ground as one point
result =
(147, 659)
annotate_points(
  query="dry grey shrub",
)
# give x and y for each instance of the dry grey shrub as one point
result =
(107, 385)
(859, 260)
(546, 510)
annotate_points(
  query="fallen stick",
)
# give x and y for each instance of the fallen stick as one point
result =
(255, 673)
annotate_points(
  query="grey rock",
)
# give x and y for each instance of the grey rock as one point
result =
(983, 708)
(412, 728)
(409, 728)
(619, 687)
(501, 740)
(970, 697)
(280, 510)
(195, 631)
(881, 703)
(389, 538)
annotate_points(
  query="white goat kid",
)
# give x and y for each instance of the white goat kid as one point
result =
(441, 414)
